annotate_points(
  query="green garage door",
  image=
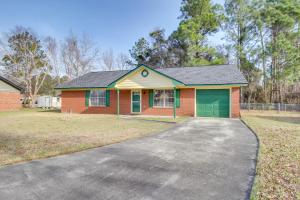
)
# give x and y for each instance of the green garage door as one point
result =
(212, 103)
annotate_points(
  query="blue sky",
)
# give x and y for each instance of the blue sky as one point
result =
(115, 24)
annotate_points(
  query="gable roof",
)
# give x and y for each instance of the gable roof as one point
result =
(12, 81)
(148, 68)
(206, 75)
(94, 79)
(202, 75)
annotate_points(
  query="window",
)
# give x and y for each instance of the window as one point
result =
(97, 98)
(164, 98)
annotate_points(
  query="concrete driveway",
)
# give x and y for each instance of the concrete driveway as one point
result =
(200, 159)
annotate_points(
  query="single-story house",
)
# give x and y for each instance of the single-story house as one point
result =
(10, 93)
(206, 91)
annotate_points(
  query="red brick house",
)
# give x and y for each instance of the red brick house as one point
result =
(10, 93)
(207, 91)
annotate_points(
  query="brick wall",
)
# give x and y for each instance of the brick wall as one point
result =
(10, 101)
(186, 104)
(112, 109)
(235, 102)
(74, 101)
(125, 102)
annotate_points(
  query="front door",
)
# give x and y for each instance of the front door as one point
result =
(136, 101)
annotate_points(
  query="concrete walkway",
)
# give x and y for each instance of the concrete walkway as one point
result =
(200, 159)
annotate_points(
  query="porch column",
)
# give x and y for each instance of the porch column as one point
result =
(118, 102)
(174, 104)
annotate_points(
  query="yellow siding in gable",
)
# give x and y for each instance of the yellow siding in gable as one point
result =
(136, 80)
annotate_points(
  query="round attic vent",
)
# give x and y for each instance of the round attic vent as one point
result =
(145, 73)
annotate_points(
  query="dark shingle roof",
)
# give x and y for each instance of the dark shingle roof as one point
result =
(206, 75)
(94, 79)
(16, 83)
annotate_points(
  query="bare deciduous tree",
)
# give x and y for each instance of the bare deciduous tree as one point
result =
(52, 51)
(79, 55)
(122, 61)
(108, 60)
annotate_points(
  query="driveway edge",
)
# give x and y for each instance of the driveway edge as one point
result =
(256, 159)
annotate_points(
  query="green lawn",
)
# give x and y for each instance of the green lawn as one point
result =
(278, 169)
(31, 134)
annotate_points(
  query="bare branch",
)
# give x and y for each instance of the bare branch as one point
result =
(53, 56)
(108, 60)
(79, 55)
(122, 61)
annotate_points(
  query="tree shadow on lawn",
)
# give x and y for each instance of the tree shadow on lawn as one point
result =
(286, 119)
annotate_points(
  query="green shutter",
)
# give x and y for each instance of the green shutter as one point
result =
(87, 98)
(177, 98)
(150, 98)
(107, 98)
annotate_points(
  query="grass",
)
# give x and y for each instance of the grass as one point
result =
(32, 134)
(278, 168)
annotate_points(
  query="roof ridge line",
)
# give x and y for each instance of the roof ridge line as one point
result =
(199, 66)
(120, 70)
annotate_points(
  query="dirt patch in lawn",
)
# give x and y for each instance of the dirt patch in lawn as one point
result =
(278, 169)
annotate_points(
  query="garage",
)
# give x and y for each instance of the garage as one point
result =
(212, 102)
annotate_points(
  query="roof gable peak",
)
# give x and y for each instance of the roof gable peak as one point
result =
(140, 66)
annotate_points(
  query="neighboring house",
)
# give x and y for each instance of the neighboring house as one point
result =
(47, 101)
(208, 91)
(10, 93)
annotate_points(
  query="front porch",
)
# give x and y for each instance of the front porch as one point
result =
(150, 92)
(150, 101)
(142, 102)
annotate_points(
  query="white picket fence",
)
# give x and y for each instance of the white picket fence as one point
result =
(270, 106)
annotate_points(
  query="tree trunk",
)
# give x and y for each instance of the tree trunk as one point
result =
(33, 99)
(274, 86)
(31, 102)
(263, 64)
(249, 98)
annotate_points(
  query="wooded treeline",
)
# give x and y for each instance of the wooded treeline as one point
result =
(260, 36)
